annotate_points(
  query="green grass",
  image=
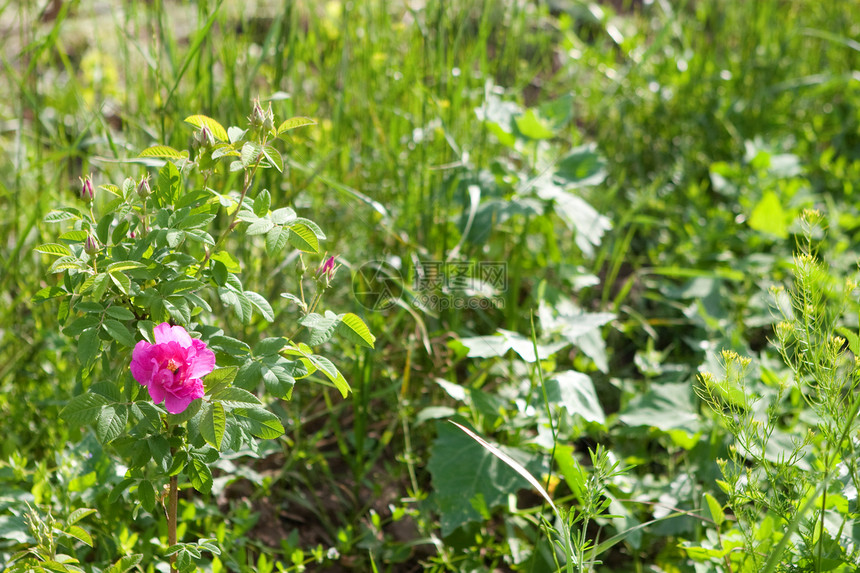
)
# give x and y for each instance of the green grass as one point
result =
(692, 105)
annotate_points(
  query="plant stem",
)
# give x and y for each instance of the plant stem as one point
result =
(172, 506)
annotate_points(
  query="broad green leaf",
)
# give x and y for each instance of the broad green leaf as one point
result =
(250, 153)
(462, 469)
(295, 122)
(575, 392)
(124, 266)
(261, 304)
(163, 151)
(89, 347)
(199, 474)
(119, 313)
(122, 282)
(228, 261)
(304, 239)
(283, 215)
(212, 425)
(169, 183)
(274, 157)
(532, 126)
(83, 409)
(219, 379)
(58, 215)
(74, 236)
(769, 217)
(276, 240)
(53, 249)
(259, 227)
(216, 128)
(119, 332)
(65, 263)
(79, 533)
(664, 406)
(146, 495)
(111, 422)
(260, 423)
(355, 330)
(126, 564)
(332, 373)
(262, 202)
(48, 293)
(78, 515)
(716, 509)
(236, 398)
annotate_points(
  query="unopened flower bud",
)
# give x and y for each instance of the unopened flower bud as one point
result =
(87, 192)
(258, 116)
(91, 247)
(203, 138)
(269, 119)
(325, 272)
(143, 189)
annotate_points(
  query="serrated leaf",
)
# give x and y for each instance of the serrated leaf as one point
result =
(219, 379)
(304, 239)
(111, 422)
(74, 236)
(236, 398)
(212, 425)
(200, 475)
(78, 515)
(250, 153)
(716, 509)
(122, 282)
(163, 151)
(119, 313)
(146, 495)
(261, 304)
(53, 249)
(274, 157)
(259, 227)
(48, 293)
(355, 330)
(78, 533)
(83, 409)
(119, 332)
(276, 240)
(89, 346)
(262, 202)
(216, 128)
(260, 423)
(295, 122)
(235, 133)
(65, 263)
(168, 185)
(126, 564)
(57, 216)
(125, 266)
(332, 373)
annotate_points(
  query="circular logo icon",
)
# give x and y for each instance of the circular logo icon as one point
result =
(377, 285)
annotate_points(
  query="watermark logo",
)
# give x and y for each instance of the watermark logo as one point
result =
(432, 285)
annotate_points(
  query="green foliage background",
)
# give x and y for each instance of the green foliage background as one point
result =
(638, 166)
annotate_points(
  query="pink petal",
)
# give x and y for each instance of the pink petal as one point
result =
(202, 360)
(143, 365)
(177, 404)
(165, 333)
(156, 392)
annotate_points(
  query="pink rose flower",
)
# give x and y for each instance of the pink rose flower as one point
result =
(172, 368)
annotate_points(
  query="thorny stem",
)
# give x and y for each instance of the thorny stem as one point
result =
(172, 507)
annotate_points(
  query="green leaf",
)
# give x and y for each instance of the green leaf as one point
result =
(212, 425)
(262, 203)
(169, 184)
(78, 533)
(666, 407)
(89, 347)
(48, 293)
(236, 398)
(259, 227)
(332, 373)
(125, 266)
(146, 495)
(53, 249)
(74, 236)
(260, 423)
(716, 509)
(319, 328)
(355, 330)
(199, 474)
(283, 215)
(228, 261)
(269, 346)
(250, 153)
(575, 392)
(83, 409)
(163, 151)
(304, 239)
(78, 515)
(65, 263)
(219, 379)
(769, 217)
(126, 564)
(295, 122)
(119, 313)
(59, 215)
(122, 282)
(261, 304)
(462, 470)
(111, 422)
(216, 128)
(119, 332)
(532, 126)
(274, 157)
(276, 240)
